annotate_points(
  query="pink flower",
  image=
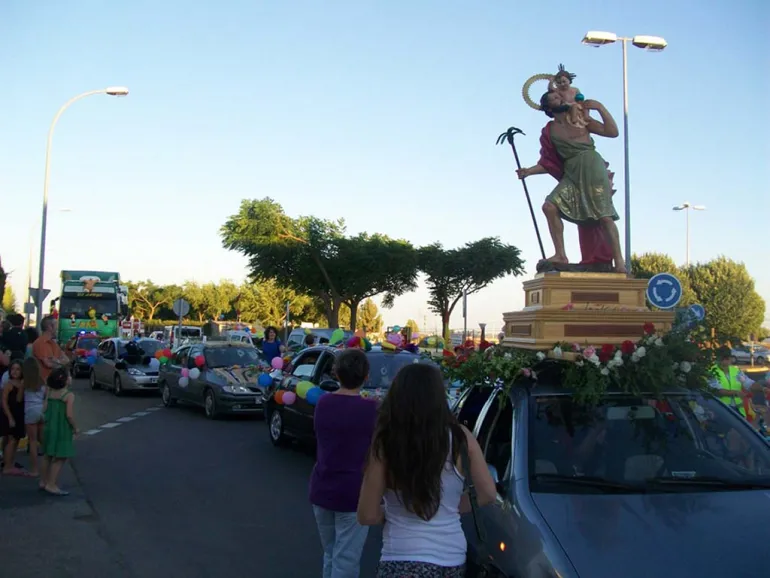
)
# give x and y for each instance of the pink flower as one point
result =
(527, 372)
(589, 352)
(576, 347)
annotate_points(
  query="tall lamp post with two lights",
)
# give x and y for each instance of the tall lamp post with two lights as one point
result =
(687, 207)
(111, 91)
(651, 43)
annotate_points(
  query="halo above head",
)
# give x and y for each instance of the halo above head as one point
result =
(528, 86)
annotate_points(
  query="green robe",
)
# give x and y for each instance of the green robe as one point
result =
(584, 192)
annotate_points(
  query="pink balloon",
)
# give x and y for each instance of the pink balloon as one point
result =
(277, 363)
(289, 397)
(185, 372)
(395, 339)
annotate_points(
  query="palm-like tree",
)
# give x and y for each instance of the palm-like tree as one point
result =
(3, 278)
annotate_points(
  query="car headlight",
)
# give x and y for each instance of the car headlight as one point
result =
(134, 371)
(236, 389)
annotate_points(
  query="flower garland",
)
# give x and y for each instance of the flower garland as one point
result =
(682, 357)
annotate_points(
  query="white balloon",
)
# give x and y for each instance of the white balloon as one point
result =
(154, 363)
(184, 382)
(195, 373)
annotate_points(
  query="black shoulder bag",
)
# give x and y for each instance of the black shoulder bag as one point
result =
(483, 568)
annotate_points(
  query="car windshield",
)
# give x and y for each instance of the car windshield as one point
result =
(642, 445)
(80, 308)
(150, 346)
(87, 343)
(383, 367)
(232, 355)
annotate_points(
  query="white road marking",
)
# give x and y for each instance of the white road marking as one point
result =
(121, 420)
(92, 432)
(125, 419)
(109, 425)
(154, 408)
(141, 413)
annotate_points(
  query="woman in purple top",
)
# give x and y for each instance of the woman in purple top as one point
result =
(344, 424)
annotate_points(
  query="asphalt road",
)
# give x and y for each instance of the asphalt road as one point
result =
(166, 492)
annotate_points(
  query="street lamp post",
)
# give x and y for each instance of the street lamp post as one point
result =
(652, 43)
(111, 91)
(687, 207)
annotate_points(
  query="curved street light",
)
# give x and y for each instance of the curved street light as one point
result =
(111, 91)
(687, 207)
(649, 43)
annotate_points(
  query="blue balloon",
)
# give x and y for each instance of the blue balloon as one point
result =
(265, 380)
(314, 394)
(91, 359)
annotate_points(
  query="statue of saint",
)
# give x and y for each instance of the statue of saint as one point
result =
(584, 193)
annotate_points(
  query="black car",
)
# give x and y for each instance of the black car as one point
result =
(315, 364)
(78, 349)
(227, 383)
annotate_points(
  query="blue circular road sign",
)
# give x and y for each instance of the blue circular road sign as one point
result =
(698, 311)
(664, 291)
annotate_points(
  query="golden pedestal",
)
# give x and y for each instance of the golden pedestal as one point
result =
(583, 308)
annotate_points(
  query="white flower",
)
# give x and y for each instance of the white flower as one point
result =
(557, 353)
(641, 352)
(617, 362)
(579, 363)
(675, 366)
(619, 355)
(605, 371)
(635, 357)
(594, 359)
(658, 342)
(685, 366)
(540, 356)
(508, 355)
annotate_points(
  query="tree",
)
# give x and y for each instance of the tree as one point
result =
(412, 325)
(647, 265)
(726, 290)
(369, 317)
(265, 302)
(3, 281)
(145, 298)
(10, 305)
(468, 269)
(313, 256)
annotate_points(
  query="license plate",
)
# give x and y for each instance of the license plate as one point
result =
(256, 400)
(153, 380)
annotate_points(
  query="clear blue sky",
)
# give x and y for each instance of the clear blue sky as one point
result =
(384, 113)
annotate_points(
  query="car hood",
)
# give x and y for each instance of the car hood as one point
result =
(706, 534)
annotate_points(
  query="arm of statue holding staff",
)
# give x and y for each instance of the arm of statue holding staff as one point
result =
(531, 171)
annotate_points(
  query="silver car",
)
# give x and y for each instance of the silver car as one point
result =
(113, 370)
(744, 353)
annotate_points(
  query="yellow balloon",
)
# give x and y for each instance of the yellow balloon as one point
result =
(388, 345)
(303, 387)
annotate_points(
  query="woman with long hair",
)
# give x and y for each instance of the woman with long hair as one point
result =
(414, 480)
(271, 344)
(34, 400)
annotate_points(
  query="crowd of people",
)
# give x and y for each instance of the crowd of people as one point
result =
(406, 464)
(37, 403)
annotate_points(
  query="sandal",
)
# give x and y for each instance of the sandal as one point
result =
(56, 492)
(17, 472)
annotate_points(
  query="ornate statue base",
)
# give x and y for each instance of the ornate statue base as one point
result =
(581, 307)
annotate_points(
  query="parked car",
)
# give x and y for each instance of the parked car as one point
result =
(296, 338)
(113, 371)
(227, 382)
(744, 353)
(78, 348)
(633, 486)
(315, 364)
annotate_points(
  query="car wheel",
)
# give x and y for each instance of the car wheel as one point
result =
(92, 380)
(117, 386)
(275, 429)
(165, 395)
(210, 404)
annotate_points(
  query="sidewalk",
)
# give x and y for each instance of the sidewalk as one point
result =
(51, 536)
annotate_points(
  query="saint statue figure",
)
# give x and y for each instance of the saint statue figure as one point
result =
(584, 193)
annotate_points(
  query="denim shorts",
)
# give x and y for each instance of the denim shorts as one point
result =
(33, 414)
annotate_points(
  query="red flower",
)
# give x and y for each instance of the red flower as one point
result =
(606, 352)
(627, 347)
(649, 328)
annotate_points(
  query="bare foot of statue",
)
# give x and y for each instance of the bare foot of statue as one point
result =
(620, 268)
(557, 259)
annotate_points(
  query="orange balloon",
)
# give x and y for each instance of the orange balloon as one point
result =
(279, 397)
(159, 354)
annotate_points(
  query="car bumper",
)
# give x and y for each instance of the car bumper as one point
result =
(140, 383)
(243, 403)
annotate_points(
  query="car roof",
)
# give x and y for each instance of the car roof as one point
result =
(336, 350)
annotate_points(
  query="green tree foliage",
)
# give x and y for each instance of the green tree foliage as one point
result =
(451, 272)
(725, 288)
(3, 282)
(264, 302)
(369, 318)
(647, 265)
(10, 304)
(412, 324)
(314, 257)
(145, 298)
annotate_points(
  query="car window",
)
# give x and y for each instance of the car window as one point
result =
(304, 364)
(149, 346)
(470, 407)
(87, 343)
(383, 367)
(180, 357)
(636, 440)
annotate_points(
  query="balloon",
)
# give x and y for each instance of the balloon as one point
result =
(386, 345)
(167, 352)
(195, 373)
(336, 336)
(395, 339)
(93, 353)
(200, 361)
(289, 397)
(396, 328)
(185, 372)
(303, 387)
(159, 354)
(91, 360)
(367, 344)
(307, 331)
(154, 364)
(360, 333)
(163, 360)
(264, 380)
(277, 363)
(314, 394)
(184, 382)
(278, 396)
(247, 329)
(415, 335)
(286, 359)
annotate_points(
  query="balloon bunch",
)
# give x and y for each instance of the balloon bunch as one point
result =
(163, 356)
(90, 356)
(393, 341)
(358, 342)
(305, 390)
(187, 375)
(336, 337)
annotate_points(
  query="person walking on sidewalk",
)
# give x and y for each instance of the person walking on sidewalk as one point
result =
(344, 423)
(12, 418)
(34, 399)
(59, 429)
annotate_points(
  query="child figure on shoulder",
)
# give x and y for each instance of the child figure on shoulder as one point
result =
(570, 95)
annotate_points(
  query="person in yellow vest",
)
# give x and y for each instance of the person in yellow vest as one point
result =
(731, 385)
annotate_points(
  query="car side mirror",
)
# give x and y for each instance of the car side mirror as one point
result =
(329, 385)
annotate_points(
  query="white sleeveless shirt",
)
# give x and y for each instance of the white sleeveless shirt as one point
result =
(440, 540)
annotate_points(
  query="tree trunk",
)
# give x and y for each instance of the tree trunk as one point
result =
(353, 305)
(445, 329)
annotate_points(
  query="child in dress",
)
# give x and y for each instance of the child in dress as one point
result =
(12, 418)
(562, 85)
(34, 398)
(59, 411)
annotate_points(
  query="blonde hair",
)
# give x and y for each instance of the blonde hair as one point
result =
(31, 372)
